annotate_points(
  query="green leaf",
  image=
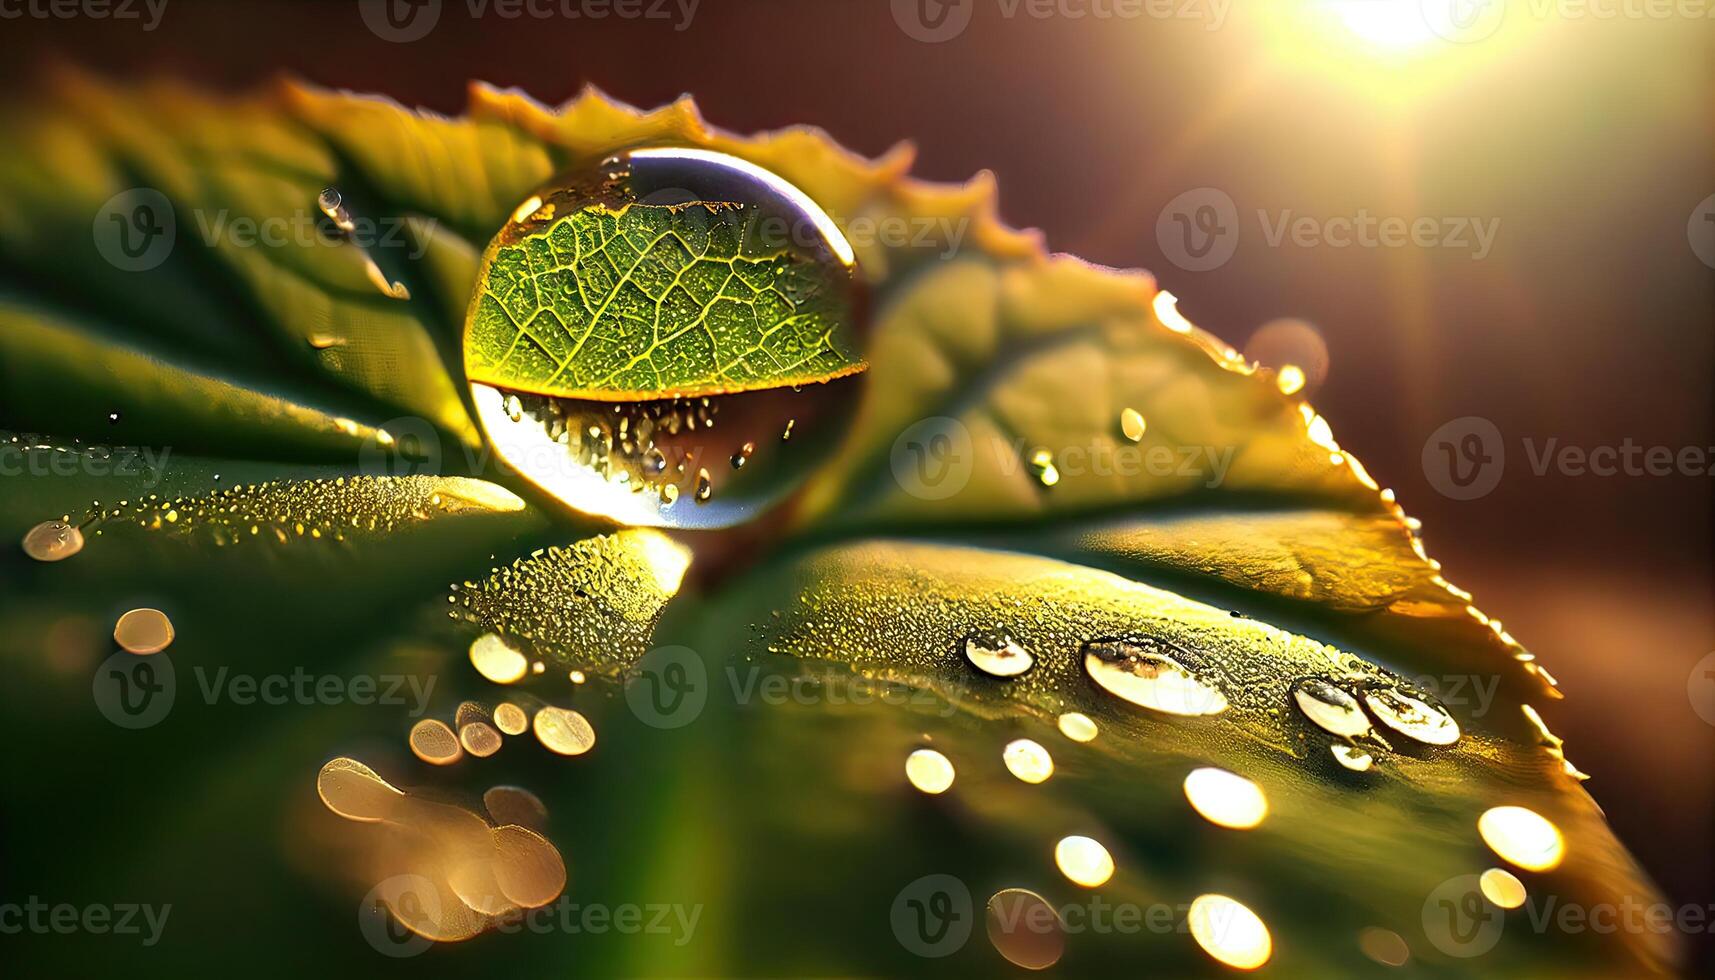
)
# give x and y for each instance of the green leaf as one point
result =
(653, 302)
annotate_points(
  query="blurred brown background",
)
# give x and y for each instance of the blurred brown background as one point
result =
(1588, 321)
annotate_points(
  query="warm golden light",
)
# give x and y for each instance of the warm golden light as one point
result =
(1084, 861)
(1384, 23)
(496, 661)
(1028, 760)
(1502, 887)
(1225, 798)
(929, 771)
(1230, 932)
(1522, 837)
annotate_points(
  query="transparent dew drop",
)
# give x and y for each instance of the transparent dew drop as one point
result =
(516, 805)
(1226, 799)
(1028, 760)
(496, 660)
(563, 731)
(1384, 946)
(143, 631)
(528, 869)
(353, 790)
(996, 653)
(621, 429)
(52, 541)
(1502, 887)
(1352, 757)
(1025, 929)
(1523, 837)
(1084, 861)
(1132, 424)
(510, 718)
(929, 771)
(1077, 726)
(434, 742)
(1146, 673)
(1330, 707)
(1414, 717)
(1042, 464)
(1229, 931)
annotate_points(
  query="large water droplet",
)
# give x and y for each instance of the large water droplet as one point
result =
(608, 348)
(52, 541)
(1412, 716)
(1148, 673)
(1502, 887)
(996, 653)
(1330, 707)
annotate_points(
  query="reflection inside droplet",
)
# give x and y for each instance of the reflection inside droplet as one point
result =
(1412, 716)
(651, 317)
(997, 654)
(1330, 707)
(1146, 673)
(1226, 798)
(1352, 757)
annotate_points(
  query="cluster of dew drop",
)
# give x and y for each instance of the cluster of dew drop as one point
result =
(1153, 674)
(465, 870)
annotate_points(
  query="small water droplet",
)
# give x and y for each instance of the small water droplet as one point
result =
(1028, 760)
(1502, 887)
(1523, 837)
(1025, 929)
(743, 455)
(52, 541)
(1229, 931)
(669, 492)
(1352, 757)
(929, 771)
(113, 418)
(1132, 424)
(1226, 799)
(997, 654)
(143, 631)
(787, 434)
(1042, 464)
(1084, 861)
(704, 488)
(1412, 716)
(1145, 673)
(564, 731)
(1330, 707)
(495, 660)
(434, 742)
(1290, 379)
(511, 719)
(1077, 727)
